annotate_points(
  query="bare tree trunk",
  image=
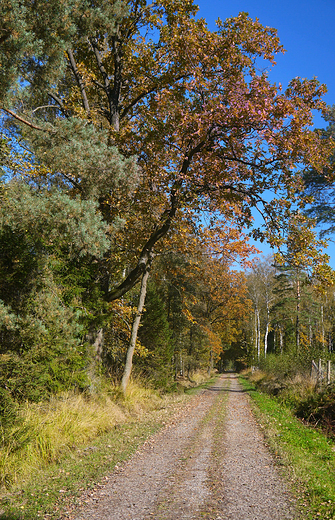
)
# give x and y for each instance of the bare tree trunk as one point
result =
(322, 329)
(210, 366)
(266, 335)
(98, 345)
(134, 330)
(281, 340)
(297, 325)
(258, 336)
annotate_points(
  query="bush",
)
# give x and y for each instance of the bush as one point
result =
(318, 408)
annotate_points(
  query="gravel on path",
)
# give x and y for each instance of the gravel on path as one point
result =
(252, 488)
(210, 462)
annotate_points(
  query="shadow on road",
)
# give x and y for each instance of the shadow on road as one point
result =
(227, 389)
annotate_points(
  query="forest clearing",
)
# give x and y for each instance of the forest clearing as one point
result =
(144, 159)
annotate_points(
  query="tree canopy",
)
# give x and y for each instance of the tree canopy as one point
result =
(135, 131)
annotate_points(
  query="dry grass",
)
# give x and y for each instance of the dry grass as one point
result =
(300, 385)
(195, 379)
(45, 432)
(140, 399)
(200, 376)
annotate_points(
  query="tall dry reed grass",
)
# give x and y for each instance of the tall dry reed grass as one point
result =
(44, 432)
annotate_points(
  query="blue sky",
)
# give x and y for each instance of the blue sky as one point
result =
(306, 29)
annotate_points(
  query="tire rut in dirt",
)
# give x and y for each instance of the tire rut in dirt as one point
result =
(134, 491)
(187, 491)
(252, 488)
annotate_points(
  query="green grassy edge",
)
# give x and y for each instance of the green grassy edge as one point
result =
(57, 489)
(307, 457)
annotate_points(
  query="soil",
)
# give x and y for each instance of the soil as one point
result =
(209, 463)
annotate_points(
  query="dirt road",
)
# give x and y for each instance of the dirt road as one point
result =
(211, 463)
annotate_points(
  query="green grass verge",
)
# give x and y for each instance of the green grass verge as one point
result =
(307, 455)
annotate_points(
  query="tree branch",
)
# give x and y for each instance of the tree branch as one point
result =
(101, 67)
(79, 81)
(24, 121)
(146, 253)
(158, 85)
(45, 106)
(60, 103)
(159, 232)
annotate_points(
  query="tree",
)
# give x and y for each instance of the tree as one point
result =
(47, 240)
(155, 335)
(210, 133)
(261, 280)
(320, 186)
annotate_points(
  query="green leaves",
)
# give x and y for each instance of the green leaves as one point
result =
(53, 219)
(80, 155)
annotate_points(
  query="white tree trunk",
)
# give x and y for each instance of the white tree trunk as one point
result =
(266, 339)
(281, 340)
(322, 329)
(134, 330)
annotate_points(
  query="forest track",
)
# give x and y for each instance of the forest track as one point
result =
(210, 462)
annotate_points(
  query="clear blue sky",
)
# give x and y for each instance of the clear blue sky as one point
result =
(306, 29)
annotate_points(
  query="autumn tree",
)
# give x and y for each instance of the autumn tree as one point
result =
(209, 132)
(261, 279)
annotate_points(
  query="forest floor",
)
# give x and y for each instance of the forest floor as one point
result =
(209, 462)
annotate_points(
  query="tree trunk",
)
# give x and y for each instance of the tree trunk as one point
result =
(256, 333)
(266, 339)
(322, 329)
(134, 330)
(259, 334)
(281, 340)
(210, 366)
(267, 327)
(297, 325)
(98, 345)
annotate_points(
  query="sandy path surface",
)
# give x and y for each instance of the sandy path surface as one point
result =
(210, 462)
(252, 488)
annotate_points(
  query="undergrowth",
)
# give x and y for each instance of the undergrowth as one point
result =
(43, 433)
(309, 398)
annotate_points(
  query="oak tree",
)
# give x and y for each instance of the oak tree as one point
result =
(210, 133)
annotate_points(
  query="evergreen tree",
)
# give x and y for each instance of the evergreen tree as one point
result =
(155, 336)
(48, 242)
(320, 186)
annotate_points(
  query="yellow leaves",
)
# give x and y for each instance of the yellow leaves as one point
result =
(188, 315)
(214, 341)
(140, 350)
(301, 249)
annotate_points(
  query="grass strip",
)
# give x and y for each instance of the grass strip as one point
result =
(215, 470)
(192, 390)
(307, 454)
(58, 488)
